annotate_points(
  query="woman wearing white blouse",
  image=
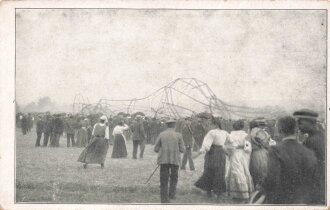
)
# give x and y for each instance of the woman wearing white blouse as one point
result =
(119, 145)
(213, 178)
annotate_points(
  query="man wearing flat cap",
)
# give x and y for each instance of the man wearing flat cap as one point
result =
(307, 122)
(169, 144)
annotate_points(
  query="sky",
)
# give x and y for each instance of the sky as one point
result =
(252, 57)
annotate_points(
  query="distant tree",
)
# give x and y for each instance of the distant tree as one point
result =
(45, 104)
(31, 107)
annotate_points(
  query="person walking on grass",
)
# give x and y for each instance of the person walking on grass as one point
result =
(96, 151)
(213, 178)
(169, 144)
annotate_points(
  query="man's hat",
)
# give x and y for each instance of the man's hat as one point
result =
(138, 116)
(103, 118)
(260, 121)
(204, 115)
(305, 113)
(170, 121)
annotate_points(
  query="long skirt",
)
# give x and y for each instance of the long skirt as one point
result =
(119, 147)
(82, 138)
(213, 177)
(95, 152)
(240, 180)
(258, 166)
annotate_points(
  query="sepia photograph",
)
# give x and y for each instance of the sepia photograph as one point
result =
(165, 106)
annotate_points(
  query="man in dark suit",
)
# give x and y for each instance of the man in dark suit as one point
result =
(188, 142)
(47, 129)
(39, 130)
(169, 144)
(70, 125)
(139, 136)
(57, 131)
(307, 122)
(291, 168)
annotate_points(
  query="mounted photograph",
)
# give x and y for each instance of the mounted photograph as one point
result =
(163, 106)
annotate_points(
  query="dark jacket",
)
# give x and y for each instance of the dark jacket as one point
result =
(58, 126)
(138, 131)
(48, 126)
(187, 136)
(316, 142)
(291, 174)
(40, 126)
(169, 144)
(70, 126)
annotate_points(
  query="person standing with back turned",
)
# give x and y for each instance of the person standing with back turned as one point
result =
(139, 136)
(169, 144)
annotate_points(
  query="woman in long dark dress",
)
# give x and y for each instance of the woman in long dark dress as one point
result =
(213, 178)
(119, 146)
(96, 150)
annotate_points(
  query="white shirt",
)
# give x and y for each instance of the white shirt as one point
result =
(119, 129)
(237, 137)
(216, 137)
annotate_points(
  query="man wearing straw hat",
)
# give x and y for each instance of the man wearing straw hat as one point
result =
(169, 144)
(307, 123)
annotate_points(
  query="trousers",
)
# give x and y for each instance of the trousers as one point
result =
(187, 156)
(55, 140)
(38, 139)
(46, 139)
(68, 137)
(136, 144)
(168, 171)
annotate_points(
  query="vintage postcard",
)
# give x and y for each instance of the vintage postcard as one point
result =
(161, 105)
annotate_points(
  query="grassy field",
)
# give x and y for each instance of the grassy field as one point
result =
(54, 175)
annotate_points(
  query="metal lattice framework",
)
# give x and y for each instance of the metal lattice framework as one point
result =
(180, 98)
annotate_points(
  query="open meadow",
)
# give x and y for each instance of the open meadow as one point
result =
(54, 175)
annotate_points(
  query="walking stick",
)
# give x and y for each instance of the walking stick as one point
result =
(152, 174)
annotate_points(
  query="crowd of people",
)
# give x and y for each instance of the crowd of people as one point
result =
(274, 161)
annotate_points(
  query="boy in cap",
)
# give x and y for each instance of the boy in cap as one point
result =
(169, 144)
(315, 141)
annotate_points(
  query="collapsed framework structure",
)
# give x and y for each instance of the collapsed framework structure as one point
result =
(180, 98)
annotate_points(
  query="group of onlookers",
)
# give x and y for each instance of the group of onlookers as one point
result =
(251, 166)
(283, 159)
(289, 171)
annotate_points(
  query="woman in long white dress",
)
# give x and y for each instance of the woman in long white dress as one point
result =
(240, 185)
(119, 145)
